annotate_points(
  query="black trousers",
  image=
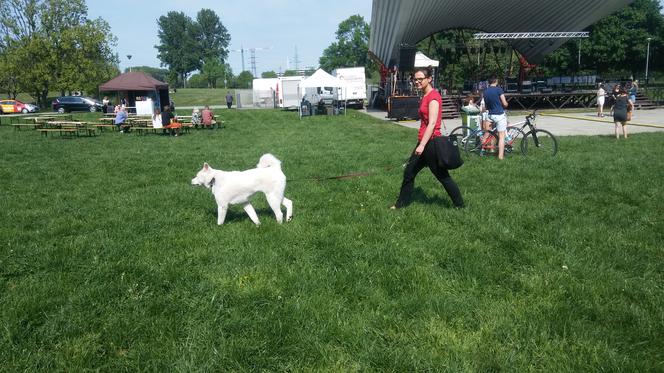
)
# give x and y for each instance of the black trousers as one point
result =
(415, 164)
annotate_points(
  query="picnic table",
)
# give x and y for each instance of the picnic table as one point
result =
(67, 128)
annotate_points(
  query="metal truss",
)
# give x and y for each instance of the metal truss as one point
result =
(531, 35)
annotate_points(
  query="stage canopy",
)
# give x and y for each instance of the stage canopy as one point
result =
(406, 22)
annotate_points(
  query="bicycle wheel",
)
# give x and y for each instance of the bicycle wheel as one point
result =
(539, 144)
(461, 133)
(482, 144)
(515, 142)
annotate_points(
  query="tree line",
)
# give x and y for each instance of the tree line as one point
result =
(52, 46)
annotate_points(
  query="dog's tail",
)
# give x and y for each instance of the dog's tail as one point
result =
(268, 160)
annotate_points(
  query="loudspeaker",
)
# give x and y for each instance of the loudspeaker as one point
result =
(407, 58)
(402, 107)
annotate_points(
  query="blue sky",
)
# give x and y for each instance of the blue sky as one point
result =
(281, 25)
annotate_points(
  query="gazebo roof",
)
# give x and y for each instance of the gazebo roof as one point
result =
(407, 22)
(133, 81)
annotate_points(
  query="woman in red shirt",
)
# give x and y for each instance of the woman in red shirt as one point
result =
(425, 153)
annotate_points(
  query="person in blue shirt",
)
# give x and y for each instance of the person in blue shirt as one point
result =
(633, 90)
(121, 118)
(495, 102)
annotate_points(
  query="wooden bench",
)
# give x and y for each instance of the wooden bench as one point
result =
(87, 130)
(101, 127)
(61, 131)
(18, 126)
(143, 130)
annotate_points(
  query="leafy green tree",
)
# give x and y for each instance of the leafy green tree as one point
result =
(197, 81)
(52, 45)
(351, 48)
(179, 49)
(159, 74)
(213, 71)
(617, 43)
(187, 45)
(269, 74)
(291, 73)
(244, 80)
(213, 36)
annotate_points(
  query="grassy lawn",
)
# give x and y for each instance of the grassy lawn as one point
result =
(110, 260)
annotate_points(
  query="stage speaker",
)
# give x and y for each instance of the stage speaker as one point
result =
(407, 58)
(404, 107)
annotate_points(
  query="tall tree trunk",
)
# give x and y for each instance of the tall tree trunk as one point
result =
(465, 46)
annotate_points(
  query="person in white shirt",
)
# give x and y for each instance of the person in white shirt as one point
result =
(601, 94)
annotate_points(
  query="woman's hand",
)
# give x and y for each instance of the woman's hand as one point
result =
(420, 149)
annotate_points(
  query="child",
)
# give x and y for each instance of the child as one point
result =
(196, 117)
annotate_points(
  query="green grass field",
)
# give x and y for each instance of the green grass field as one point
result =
(111, 261)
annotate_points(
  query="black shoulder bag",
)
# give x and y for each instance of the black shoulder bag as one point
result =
(447, 152)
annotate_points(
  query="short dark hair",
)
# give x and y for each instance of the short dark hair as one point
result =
(493, 79)
(427, 71)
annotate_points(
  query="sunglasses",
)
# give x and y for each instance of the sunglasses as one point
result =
(420, 79)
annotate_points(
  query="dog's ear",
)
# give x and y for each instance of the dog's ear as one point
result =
(206, 166)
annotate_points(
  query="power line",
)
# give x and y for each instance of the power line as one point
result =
(252, 60)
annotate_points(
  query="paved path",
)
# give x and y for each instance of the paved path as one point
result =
(566, 124)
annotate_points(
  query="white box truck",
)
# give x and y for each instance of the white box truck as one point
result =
(355, 92)
(287, 95)
(265, 91)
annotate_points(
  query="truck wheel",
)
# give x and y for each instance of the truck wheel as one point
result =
(61, 110)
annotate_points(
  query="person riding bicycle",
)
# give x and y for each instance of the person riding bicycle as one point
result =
(494, 99)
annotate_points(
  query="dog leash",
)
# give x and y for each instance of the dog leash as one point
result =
(348, 176)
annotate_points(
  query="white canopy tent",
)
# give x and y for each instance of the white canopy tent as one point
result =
(423, 61)
(319, 79)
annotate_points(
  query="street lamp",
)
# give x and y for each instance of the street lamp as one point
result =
(129, 59)
(647, 59)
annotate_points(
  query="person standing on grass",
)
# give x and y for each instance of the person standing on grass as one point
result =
(620, 109)
(601, 95)
(494, 99)
(425, 154)
(229, 100)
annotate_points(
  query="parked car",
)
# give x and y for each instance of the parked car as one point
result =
(75, 103)
(15, 106)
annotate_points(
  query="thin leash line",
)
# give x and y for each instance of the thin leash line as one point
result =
(349, 175)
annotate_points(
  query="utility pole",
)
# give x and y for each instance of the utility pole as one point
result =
(647, 59)
(252, 60)
(296, 60)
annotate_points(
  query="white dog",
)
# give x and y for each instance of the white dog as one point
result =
(235, 187)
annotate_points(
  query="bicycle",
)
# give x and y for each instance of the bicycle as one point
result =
(535, 143)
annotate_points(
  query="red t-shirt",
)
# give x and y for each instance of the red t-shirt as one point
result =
(424, 114)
